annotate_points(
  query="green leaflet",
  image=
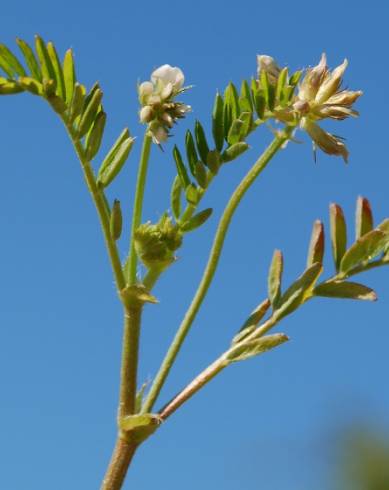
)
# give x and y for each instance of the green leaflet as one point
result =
(247, 118)
(197, 220)
(295, 78)
(234, 151)
(258, 98)
(344, 289)
(191, 152)
(231, 109)
(77, 102)
(275, 278)
(89, 113)
(268, 90)
(231, 98)
(213, 161)
(252, 322)
(240, 128)
(124, 135)
(364, 249)
(191, 194)
(316, 245)
(234, 134)
(200, 173)
(181, 170)
(201, 141)
(338, 234)
(116, 220)
(217, 122)
(363, 217)
(9, 60)
(251, 348)
(175, 197)
(69, 75)
(30, 58)
(59, 78)
(281, 83)
(114, 162)
(245, 100)
(298, 292)
(94, 137)
(47, 68)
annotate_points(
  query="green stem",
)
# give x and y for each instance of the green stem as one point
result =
(129, 367)
(100, 203)
(211, 266)
(138, 204)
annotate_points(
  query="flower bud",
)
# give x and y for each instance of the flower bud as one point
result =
(167, 119)
(145, 89)
(301, 106)
(156, 243)
(146, 114)
(267, 63)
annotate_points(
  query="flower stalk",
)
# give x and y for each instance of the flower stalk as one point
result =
(212, 263)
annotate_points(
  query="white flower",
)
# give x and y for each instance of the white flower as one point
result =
(157, 98)
(167, 74)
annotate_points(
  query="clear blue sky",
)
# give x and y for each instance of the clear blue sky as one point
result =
(269, 423)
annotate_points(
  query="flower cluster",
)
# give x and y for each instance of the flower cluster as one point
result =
(159, 109)
(319, 97)
(156, 243)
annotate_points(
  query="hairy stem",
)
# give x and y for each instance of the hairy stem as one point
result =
(100, 204)
(193, 387)
(138, 205)
(129, 367)
(120, 462)
(211, 266)
(210, 372)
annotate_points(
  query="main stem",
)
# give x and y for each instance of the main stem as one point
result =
(211, 266)
(125, 448)
(138, 205)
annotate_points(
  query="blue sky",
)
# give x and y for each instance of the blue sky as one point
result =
(268, 423)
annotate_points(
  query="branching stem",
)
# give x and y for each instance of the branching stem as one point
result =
(211, 266)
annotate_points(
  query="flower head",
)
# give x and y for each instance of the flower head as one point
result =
(320, 97)
(159, 109)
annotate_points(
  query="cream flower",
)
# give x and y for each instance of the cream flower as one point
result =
(168, 75)
(159, 109)
(320, 97)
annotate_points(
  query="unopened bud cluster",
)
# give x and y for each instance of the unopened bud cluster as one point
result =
(159, 109)
(319, 97)
(156, 243)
